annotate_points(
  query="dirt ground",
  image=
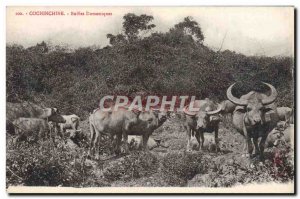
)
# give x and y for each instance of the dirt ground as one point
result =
(170, 165)
(225, 168)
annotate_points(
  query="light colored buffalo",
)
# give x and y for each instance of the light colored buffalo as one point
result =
(72, 122)
(227, 107)
(205, 119)
(136, 142)
(121, 123)
(25, 127)
(255, 116)
(285, 114)
(29, 110)
(282, 134)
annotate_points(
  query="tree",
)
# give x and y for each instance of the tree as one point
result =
(115, 39)
(39, 48)
(190, 27)
(134, 27)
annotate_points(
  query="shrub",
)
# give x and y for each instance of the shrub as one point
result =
(45, 165)
(170, 63)
(135, 165)
(226, 171)
(178, 167)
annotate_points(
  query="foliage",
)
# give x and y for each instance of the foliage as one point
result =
(178, 168)
(175, 62)
(45, 165)
(233, 170)
(133, 26)
(136, 165)
(189, 26)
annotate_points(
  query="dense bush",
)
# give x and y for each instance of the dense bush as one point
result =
(179, 167)
(136, 165)
(227, 171)
(45, 165)
(139, 59)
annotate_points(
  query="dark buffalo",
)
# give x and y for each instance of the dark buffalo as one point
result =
(254, 117)
(205, 119)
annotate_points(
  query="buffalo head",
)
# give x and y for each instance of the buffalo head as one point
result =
(254, 104)
(204, 117)
(227, 107)
(153, 118)
(162, 116)
(55, 116)
(47, 112)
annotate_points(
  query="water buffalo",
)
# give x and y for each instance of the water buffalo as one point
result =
(37, 127)
(136, 142)
(205, 119)
(255, 116)
(121, 123)
(28, 110)
(282, 134)
(227, 107)
(285, 114)
(72, 122)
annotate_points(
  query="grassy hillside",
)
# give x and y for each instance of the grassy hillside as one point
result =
(171, 63)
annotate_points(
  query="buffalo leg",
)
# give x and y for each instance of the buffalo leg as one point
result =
(249, 146)
(255, 142)
(16, 140)
(188, 131)
(145, 141)
(97, 145)
(217, 139)
(62, 130)
(59, 133)
(125, 140)
(52, 135)
(75, 125)
(42, 135)
(245, 149)
(113, 144)
(197, 135)
(92, 146)
(202, 139)
(262, 148)
(118, 144)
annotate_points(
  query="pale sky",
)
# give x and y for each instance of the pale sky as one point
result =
(249, 30)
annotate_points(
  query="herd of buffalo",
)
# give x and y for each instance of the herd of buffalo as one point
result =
(254, 115)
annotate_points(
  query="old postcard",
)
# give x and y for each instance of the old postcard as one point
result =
(150, 100)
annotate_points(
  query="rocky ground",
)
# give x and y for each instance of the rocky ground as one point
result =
(165, 165)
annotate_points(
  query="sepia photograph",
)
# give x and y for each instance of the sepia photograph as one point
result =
(150, 100)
